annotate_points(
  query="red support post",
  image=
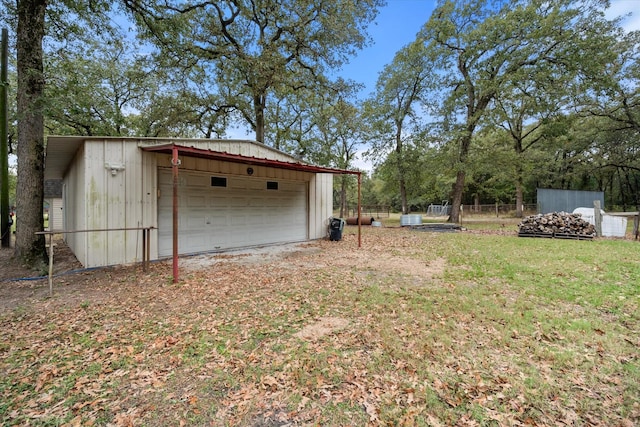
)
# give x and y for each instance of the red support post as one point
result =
(174, 166)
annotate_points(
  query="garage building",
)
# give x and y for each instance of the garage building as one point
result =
(230, 194)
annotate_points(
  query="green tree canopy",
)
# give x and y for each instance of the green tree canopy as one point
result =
(257, 48)
(481, 47)
(395, 110)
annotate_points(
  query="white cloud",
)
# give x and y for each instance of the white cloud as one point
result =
(240, 132)
(360, 163)
(628, 9)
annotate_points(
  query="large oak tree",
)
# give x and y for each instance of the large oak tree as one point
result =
(395, 109)
(30, 33)
(35, 19)
(481, 46)
(257, 48)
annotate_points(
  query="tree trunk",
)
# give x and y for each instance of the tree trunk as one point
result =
(259, 107)
(403, 196)
(343, 196)
(458, 187)
(519, 186)
(458, 190)
(401, 169)
(519, 173)
(30, 248)
(519, 199)
(5, 227)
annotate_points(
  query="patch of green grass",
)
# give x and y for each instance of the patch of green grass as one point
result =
(343, 413)
(511, 331)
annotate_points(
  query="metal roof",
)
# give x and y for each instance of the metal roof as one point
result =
(60, 151)
(237, 158)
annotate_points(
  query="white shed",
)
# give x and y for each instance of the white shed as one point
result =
(231, 194)
(53, 198)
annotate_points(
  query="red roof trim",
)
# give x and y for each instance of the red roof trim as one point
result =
(237, 158)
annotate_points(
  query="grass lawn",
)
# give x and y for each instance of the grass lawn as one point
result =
(475, 328)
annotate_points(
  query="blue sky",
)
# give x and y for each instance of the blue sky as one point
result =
(399, 21)
(396, 25)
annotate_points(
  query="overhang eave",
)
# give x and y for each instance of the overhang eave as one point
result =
(247, 160)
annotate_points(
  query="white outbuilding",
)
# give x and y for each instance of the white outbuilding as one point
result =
(229, 194)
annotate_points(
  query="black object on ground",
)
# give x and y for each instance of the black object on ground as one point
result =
(336, 225)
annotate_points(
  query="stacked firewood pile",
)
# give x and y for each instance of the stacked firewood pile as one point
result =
(556, 224)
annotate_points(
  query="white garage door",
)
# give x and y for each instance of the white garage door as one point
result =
(222, 212)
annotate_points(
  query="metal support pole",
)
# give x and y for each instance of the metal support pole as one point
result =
(174, 165)
(598, 217)
(144, 249)
(51, 264)
(148, 230)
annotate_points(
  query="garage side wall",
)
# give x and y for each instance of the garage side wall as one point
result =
(218, 166)
(120, 190)
(73, 195)
(320, 204)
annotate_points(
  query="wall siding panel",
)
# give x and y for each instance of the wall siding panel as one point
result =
(55, 214)
(73, 193)
(94, 198)
(320, 208)
(116, 200)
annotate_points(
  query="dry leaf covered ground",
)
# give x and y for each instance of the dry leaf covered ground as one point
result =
(414, 328)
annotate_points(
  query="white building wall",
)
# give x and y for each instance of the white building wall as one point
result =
(320, 204)
(149, 199)
(230, 168)
(120, 193)
(73, 195)
(112, 183)
(55, 214)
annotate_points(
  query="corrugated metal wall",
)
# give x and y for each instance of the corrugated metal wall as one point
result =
(110, 186)
(55, 214)
(218, 166)
(320, 204)
(552, 200)
(113, 184)
(243, 148)
(73, 193)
